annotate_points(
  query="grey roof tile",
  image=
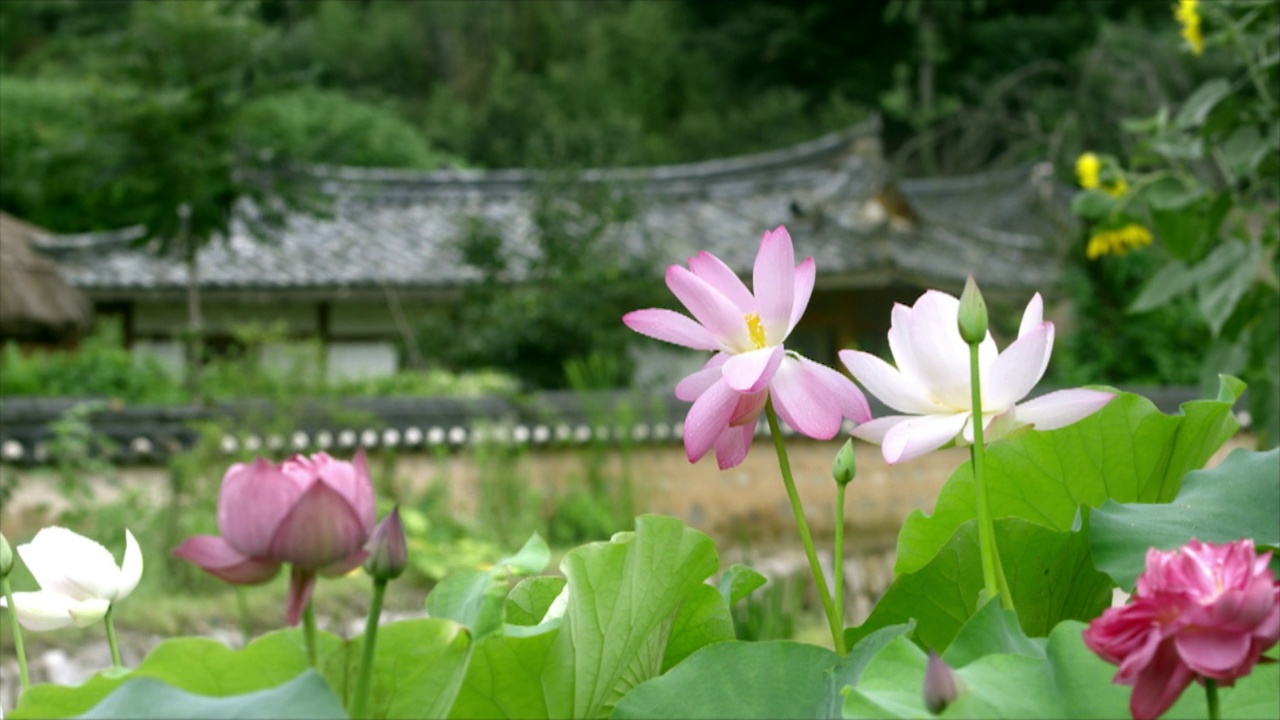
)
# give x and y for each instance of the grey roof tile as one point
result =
(400, 228)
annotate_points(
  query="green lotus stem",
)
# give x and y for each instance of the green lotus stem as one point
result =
(1211, 696)
(309, 632)
(837, 632)
(17, 632)
(993, 580)
(111, 637)
(361, 700)
(838, 580)
(242, 606)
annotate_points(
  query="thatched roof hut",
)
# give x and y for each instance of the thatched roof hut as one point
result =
(36, 304)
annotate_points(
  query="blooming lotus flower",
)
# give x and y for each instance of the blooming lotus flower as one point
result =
(931, 381)
(79, 580)
(1202, 610)
(315, 513)
(746, 332)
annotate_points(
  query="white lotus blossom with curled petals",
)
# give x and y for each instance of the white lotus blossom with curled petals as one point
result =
(931, 381)
(746, 331)
(79, 580)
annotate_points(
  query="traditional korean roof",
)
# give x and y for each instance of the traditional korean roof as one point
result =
(400, 229)
(35, 301)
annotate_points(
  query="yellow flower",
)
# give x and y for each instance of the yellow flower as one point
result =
(1189, 17)
(1119, 241)
(1116, 188)
(1087, 168)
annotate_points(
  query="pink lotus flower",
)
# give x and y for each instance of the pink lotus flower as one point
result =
(1203, 610)
(931, 381)
(746, 332)
(315, 513)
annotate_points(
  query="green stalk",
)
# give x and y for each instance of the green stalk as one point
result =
(361, 700)
(111, 637)
(837, 631)
(1211, 696)
(17, 632)
(309, 632)
(993, 580)
(242, 606)
(838, 581)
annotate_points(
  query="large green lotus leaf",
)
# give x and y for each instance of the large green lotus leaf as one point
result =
(1050, 574)
(703, 619)
(432, 652)
(1239, 498)
(1066, 681)
(991, 630)
(194, 665)
(1129, 452)
(625, 597)
(418, 666)
(531, 598)
(476, 598)
(779, 679)
(305, 697)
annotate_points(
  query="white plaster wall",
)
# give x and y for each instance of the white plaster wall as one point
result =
(353, 360)
(169, 353)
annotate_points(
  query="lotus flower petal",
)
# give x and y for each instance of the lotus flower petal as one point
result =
(43, 610)
(917, 436)
(1017, 370)
(774, 281)
(707, 418)
(254, 499)
(670, 326)
(806, 275)
(802, 400)
(719, 276)
(850, 400)
(72, 565)
(697, 382)
(130, 568)
(1061, 408)
(218, 558)
(1159, 684)
(320, 529)
(708, 306)
(750, 372)
(882, 380)
(873, 431)
(732, 446)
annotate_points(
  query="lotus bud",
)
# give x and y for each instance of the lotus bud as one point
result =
(973, 313)
(939, 684)
(387, 548)
(844, 468)
(6, 557)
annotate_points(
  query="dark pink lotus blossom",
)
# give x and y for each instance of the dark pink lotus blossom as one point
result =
(746, 331)
(314, 513)
(1201, 611)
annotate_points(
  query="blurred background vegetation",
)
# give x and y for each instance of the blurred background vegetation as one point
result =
(108, 106)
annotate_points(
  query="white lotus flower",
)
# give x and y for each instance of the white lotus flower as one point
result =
(931, 382)
(79, 580)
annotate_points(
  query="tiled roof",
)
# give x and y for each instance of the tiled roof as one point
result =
(400, 228)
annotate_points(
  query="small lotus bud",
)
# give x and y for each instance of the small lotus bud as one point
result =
(843, 468)
(939, 684)
(387, 552)
(973, 313)
(6, 557)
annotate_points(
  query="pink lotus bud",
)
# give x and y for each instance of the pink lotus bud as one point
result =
(1203, 610)
(315, 513)
(387, 552)
(939, 684)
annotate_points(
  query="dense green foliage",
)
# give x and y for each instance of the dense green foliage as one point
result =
(118, 113)
(102, 368)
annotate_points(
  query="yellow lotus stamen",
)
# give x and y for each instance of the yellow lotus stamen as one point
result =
(755, 330)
